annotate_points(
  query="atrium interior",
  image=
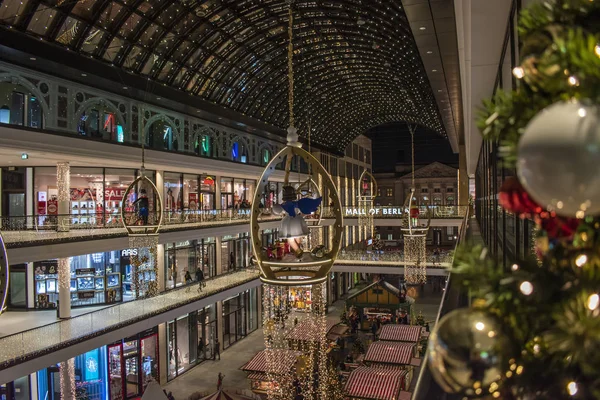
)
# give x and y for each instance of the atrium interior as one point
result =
(299, 199)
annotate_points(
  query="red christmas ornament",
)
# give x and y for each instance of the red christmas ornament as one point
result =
(414, 212)
(559, 227)
(514, 198)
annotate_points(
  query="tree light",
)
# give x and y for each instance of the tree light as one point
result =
(581, 260)
(518, 72)
(526, 288)
(593, 301)
(572, 388)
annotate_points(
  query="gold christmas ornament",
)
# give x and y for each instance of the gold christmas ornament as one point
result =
(366, 195)
(468, 353)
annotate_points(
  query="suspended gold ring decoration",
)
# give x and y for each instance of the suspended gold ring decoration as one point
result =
(411, 228)
(308, 270)
(131, 220)
(373, 194)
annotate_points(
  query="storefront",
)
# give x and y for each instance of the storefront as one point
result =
(97, 278)
(96, 195)
(191, 340)
(13, 193)
(235, 252)
(189, 256)
(240, 316)
(237, 193)
(272, 194)
(90, 377)
(16, 390)
(132, 363)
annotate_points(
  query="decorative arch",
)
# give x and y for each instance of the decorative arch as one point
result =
(19, 80)
(176, 134)
(99, 101)
(238, 139)
(208, 131)
(260, 157)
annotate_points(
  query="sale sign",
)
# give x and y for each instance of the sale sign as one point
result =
(114, 193)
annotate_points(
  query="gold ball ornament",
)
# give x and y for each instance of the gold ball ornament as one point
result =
(468, 353)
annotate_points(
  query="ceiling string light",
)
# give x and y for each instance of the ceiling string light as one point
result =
(415, 232)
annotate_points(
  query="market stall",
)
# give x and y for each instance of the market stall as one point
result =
(375, 383)
(379, 301)
(393, 355)
(259, 372)
(401, 333)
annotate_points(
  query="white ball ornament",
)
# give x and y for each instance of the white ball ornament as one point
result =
(558, 159)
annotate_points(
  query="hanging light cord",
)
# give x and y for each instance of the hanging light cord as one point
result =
(291, 87)
(143, 151)
(412, 146)
(291, 66)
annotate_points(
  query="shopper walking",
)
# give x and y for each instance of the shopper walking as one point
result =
(217, 352)
(220, 381)
(200, 279)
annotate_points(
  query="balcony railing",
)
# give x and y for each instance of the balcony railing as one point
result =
(26, 345)
(25, 230)
(444, 258)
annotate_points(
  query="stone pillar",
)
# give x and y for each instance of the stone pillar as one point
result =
(160, 267)
(463, 177)
(30, 286)
(63, 183)
(160, 183)
(67, 379)
(163, 366)
(64, 288)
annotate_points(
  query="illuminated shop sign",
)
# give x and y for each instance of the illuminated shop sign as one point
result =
(374, 211)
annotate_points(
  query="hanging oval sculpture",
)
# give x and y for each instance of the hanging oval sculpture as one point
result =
(141, 207)
(4, 271)
(363, 194)
(414, 218)
(301, 265)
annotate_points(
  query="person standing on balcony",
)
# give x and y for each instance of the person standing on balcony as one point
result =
(217, 352)
(232, 261)
(143, 206)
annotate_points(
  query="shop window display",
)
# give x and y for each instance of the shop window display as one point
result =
(90, 377)
(132, 363)
(189, 256)
(97, 278)
(19, 106)
(203, 145)
(235, 252)
(240, 316)
(96, 195)
(239, 152)
(237, 193)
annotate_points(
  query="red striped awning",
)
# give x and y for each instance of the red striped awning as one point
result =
(310, 329)
(258, 376)
(401, 333)
(278, 361)
(375, 383)
(390, 352)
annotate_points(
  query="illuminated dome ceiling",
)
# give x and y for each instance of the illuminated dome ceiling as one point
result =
(356, 62)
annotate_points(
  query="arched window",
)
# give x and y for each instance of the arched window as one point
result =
(161, 136)
(203, 145)
(265, 157)
(437, 201)
(450, 200)
(100, 121)
(239, 152)
(19, 106)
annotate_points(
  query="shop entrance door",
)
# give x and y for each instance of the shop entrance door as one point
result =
(149, 358)
(115, 372)
(437, 237)
(53, 382)
(132, 376)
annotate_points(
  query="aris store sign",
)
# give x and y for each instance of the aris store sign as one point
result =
(373, 211)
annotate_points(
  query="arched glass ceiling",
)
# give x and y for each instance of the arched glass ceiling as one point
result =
(356, 62)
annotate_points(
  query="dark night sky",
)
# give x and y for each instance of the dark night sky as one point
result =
(391, 146)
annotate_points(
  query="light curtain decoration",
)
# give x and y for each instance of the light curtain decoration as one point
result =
(296, 326)
(142, 213)
(415, 230)
(4, 275)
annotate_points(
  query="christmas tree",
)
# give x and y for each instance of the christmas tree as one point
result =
(533, 330)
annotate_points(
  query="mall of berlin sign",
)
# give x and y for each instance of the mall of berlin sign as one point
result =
(374, 211)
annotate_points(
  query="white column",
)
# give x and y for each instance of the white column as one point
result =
(67, 379)
(30, 286)
(163, 366)
(160, 183)
(33, 386)
(63, 183)
(160, 266)
(64, 288)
